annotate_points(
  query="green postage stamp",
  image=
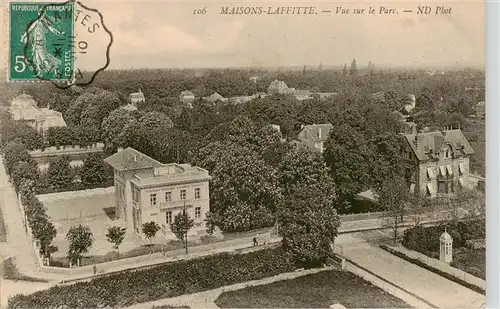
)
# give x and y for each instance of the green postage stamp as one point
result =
(65, 43)
(41, 41)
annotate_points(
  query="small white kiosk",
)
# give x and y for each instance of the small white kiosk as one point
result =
(445, 247)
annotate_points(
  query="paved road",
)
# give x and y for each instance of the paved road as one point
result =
(362, 249)
(18, 244)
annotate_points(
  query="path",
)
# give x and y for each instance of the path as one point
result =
(18, 245)
(433, 288)
(18, 242)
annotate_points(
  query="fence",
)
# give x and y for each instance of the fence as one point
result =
(363, 216)
(439, 266)
(66, 150)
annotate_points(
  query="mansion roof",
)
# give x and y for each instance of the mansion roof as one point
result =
(131, 159)
(428, 145)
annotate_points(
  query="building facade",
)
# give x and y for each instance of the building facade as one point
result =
(147, 190)
(187, 98)
(438, 162)
(24, 108)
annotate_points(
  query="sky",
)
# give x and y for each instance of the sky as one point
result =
(166, 34)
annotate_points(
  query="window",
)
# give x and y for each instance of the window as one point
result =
(442, 187)
(152, 199)
(183, 194)
(197, 212)
(168, 217)
(168, 196)
(430, 173)
(197, 193)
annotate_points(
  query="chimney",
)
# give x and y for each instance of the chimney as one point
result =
(319, 132)
(416, 141)
(135, 158)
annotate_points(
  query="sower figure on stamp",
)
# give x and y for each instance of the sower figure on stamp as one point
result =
(35, 38)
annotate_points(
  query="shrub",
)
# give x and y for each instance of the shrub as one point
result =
(426, 239)
(167, 280)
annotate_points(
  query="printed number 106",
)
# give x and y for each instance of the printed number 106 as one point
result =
(200, 11)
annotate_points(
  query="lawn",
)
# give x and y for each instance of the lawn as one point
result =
(470, 261)
(319, 290)
(3, 232)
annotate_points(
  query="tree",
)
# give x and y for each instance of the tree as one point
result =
(15, 153)
(180, 227)
(60, 173)
(353, 70)
(80, 241)
(113, 127)
(244, 190)
(61, 136)
(116, 235)
(46, 234)
(393, 197)
(348, 156)
(309, 224)
(388, 158)
(300, 167)
(150, 229)
(94, 172)
(344, 70)
(24, 171)
(417, 204)
(14, 131)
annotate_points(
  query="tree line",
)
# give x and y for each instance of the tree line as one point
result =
(258, 180)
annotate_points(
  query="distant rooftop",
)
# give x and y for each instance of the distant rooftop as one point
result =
(317, 132)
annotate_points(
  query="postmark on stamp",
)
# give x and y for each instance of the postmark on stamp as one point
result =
(39, 35)
(63, 43)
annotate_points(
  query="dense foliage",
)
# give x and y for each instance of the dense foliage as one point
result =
(426, 239)
(235, 143)
(167, 280)
(23, 172)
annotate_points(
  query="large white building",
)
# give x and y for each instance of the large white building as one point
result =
(24, 108)
(147, 190)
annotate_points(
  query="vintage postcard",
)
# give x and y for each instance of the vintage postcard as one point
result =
(266, 154)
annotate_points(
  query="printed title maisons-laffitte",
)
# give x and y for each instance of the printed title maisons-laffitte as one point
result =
(270, 10)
